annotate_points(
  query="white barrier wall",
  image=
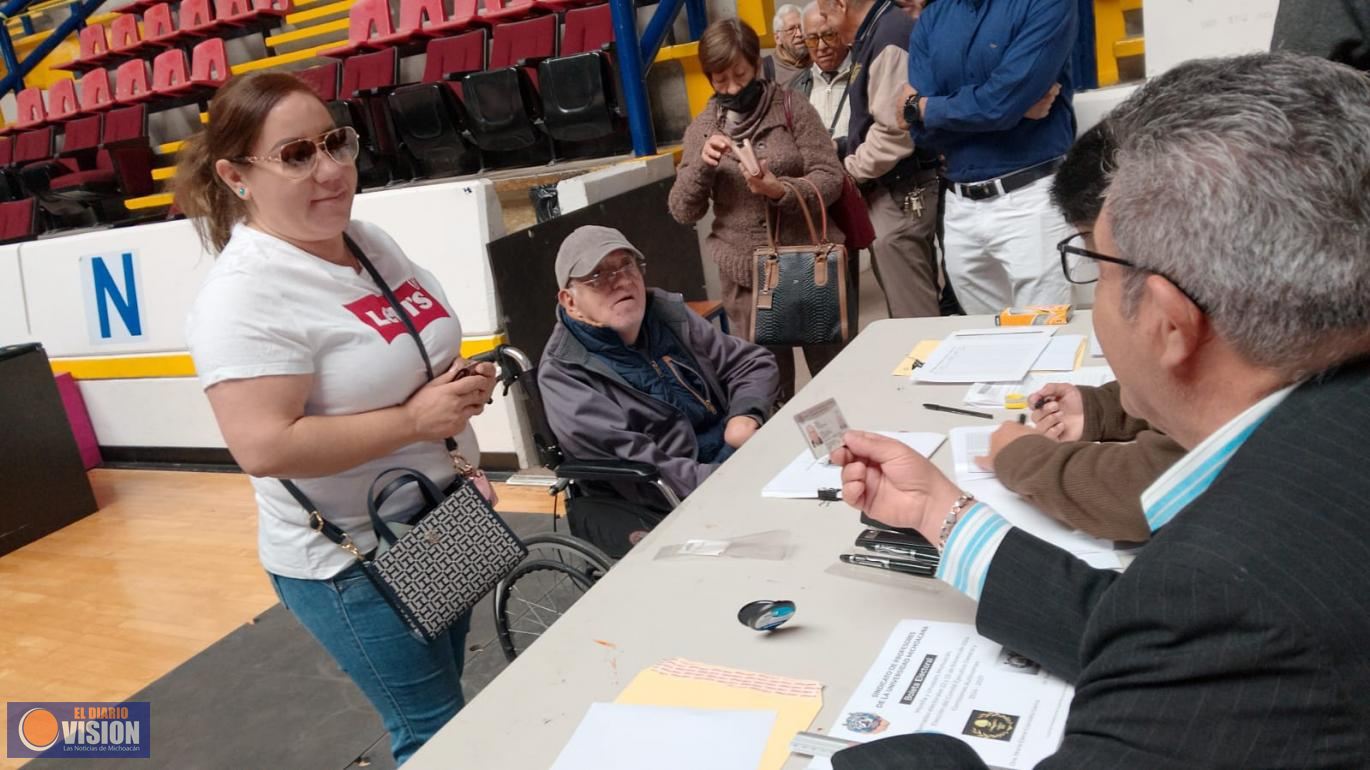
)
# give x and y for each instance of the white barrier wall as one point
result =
(14, 318)
(110, 306)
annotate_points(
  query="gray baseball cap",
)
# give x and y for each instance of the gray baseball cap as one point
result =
(585, 247)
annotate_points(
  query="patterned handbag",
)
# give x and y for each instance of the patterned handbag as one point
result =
(801, 293)
(435, 565)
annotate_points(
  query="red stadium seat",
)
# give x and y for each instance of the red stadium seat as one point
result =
(587, 29)
(17, 221)
(209, 63)
(95, 92)
(170, 75)
(323, 79)
(94, 44)
(516, 41)
(268, 8)
(197, 18)
(369, 71)
(420, 19)
(31, 110)
(234, 13)
(367, 22)
(505, 10)
(131, 83)
(157, 27)
(62, 104)
(457, 54)
(123, 34)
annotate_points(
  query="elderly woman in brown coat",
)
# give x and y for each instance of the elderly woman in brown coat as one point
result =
(791, 148)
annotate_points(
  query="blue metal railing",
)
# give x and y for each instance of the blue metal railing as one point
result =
(13, 81)
(635, 57)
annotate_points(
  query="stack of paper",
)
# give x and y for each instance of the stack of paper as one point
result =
(969, 443)
(986, 355)
(1063, 354)
(619, 737)
(946, 678)
(803, 477)
(994, 394)
(681, 683)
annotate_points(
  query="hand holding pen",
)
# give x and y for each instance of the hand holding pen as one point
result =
(1058, 411)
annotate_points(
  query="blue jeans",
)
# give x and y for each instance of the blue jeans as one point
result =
(416, 687)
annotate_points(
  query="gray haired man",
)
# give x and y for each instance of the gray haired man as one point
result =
(790, 57)
(1233, 266)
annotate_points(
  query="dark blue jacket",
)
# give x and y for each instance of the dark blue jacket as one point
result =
(982, 64)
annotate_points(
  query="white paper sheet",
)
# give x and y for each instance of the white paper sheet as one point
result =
(1094, 348)
(985, 355)
(803, 477)
(993, 394)
(946, 678)
(615, 736)
(1061, 354)
(968, 443)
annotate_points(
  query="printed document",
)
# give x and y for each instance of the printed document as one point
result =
(986, 355)
(946, 678)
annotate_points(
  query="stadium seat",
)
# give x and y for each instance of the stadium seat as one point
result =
(234, 13)
(29, 147)
(368, 21)
(124, 37)
(209, 63)
(95, 92)
(265, 9)
(422, 19)
(494, 11)
(96, 170)
(197, 18)
(131, 83)
(579, 103)
(501, 105)
(323, 79)
(8, 190)
(158, 31)
(365, 80)
(62, 104)
(18, 221)
(94, 40)
(31, 113)
(449, 58)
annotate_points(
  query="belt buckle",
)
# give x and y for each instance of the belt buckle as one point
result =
(979, 191)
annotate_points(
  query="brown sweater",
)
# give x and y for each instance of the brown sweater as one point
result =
(1093, 487)
(740, 215)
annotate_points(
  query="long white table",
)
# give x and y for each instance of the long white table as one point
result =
(646, 610)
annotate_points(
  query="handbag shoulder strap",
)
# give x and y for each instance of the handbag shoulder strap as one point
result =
(836, 116)
(319, 524)
(789, 113)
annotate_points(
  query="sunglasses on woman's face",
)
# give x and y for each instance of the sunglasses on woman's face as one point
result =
(298, 158)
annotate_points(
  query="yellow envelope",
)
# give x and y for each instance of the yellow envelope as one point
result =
(920, 353)
(687, 684)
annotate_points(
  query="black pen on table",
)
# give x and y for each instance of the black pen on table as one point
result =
(1022, 419)
(954, 410)
(893, 565)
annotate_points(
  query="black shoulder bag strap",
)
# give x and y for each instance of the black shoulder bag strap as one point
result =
(316, 520)
(836, 116)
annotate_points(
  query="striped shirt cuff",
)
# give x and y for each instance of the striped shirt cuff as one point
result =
(970, 549)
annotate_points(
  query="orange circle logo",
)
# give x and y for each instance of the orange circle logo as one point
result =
(38, 729)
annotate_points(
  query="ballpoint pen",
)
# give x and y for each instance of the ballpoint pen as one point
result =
(954, 410)
(893, 565)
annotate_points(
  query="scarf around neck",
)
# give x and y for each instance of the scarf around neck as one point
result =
(738, 126)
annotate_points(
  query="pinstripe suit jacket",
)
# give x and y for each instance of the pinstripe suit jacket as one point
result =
(1239, 638)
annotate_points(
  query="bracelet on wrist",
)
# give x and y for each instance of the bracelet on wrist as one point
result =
(958, 508)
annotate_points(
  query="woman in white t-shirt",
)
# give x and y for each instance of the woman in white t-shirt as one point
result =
(314, 378)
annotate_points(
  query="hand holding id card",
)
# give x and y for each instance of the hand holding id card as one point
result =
(822, 426)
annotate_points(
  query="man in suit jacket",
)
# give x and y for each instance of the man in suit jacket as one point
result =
(1232, 302)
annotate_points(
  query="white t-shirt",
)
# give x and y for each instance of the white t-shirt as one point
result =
(269, 308)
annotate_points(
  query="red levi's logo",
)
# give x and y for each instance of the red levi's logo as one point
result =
(422, 307)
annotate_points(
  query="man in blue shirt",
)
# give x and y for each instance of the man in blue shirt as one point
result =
(990, 88)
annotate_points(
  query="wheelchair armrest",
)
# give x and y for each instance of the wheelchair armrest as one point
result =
(607, 470)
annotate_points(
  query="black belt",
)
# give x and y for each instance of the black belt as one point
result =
(993, 188)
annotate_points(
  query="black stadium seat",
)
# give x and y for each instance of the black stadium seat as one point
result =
(502, 107)
(579, 103)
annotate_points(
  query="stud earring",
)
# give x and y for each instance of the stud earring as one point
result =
(242, 192)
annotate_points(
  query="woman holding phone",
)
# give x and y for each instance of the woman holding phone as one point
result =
(750, 139)
(314, 377)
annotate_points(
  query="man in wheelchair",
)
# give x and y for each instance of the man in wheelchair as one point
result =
(632, 374)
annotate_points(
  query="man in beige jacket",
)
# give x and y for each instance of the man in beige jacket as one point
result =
(899, 181)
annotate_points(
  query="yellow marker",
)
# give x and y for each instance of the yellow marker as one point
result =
(1015, 401)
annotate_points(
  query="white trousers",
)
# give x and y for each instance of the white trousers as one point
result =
(1001, 252)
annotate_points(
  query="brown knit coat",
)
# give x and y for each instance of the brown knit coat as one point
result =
(740, 215)
(1093, 487)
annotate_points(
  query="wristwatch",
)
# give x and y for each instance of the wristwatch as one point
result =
(911, 114)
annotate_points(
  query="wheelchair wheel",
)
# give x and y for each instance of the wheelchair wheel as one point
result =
(557, 572)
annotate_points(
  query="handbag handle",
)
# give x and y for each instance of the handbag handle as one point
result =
(773, 227)
(375, 500)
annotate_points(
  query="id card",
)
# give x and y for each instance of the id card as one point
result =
(822, 426)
